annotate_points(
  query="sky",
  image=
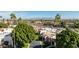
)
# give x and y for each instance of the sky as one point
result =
(39, 14)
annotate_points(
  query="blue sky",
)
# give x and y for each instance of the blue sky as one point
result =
(32, 14)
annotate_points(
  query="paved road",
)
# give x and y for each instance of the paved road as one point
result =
(36, 44)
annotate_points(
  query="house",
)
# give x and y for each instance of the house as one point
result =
(5, 36)
(48, 33)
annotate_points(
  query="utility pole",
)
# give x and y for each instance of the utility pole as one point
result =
(55, 38)
(14, 40)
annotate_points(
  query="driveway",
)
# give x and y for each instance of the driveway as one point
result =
(36, 44)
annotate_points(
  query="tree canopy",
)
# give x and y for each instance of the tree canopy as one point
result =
(3, 25)
(76, 24)
(57, 21)
(67, 39)
(57, 18)
(24, 34)
(13, 17)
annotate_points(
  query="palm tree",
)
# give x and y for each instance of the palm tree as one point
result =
(13, 18)
(57, 20)
(57, 17)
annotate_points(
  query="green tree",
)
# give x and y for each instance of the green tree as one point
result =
(13, 18)
(57, 20)
(76, 24)
(32, 21)
(67, 39)
(24, 34)
(8, 22)
(19, 19)
(63, 24)
(3, 25)
(3, 20)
